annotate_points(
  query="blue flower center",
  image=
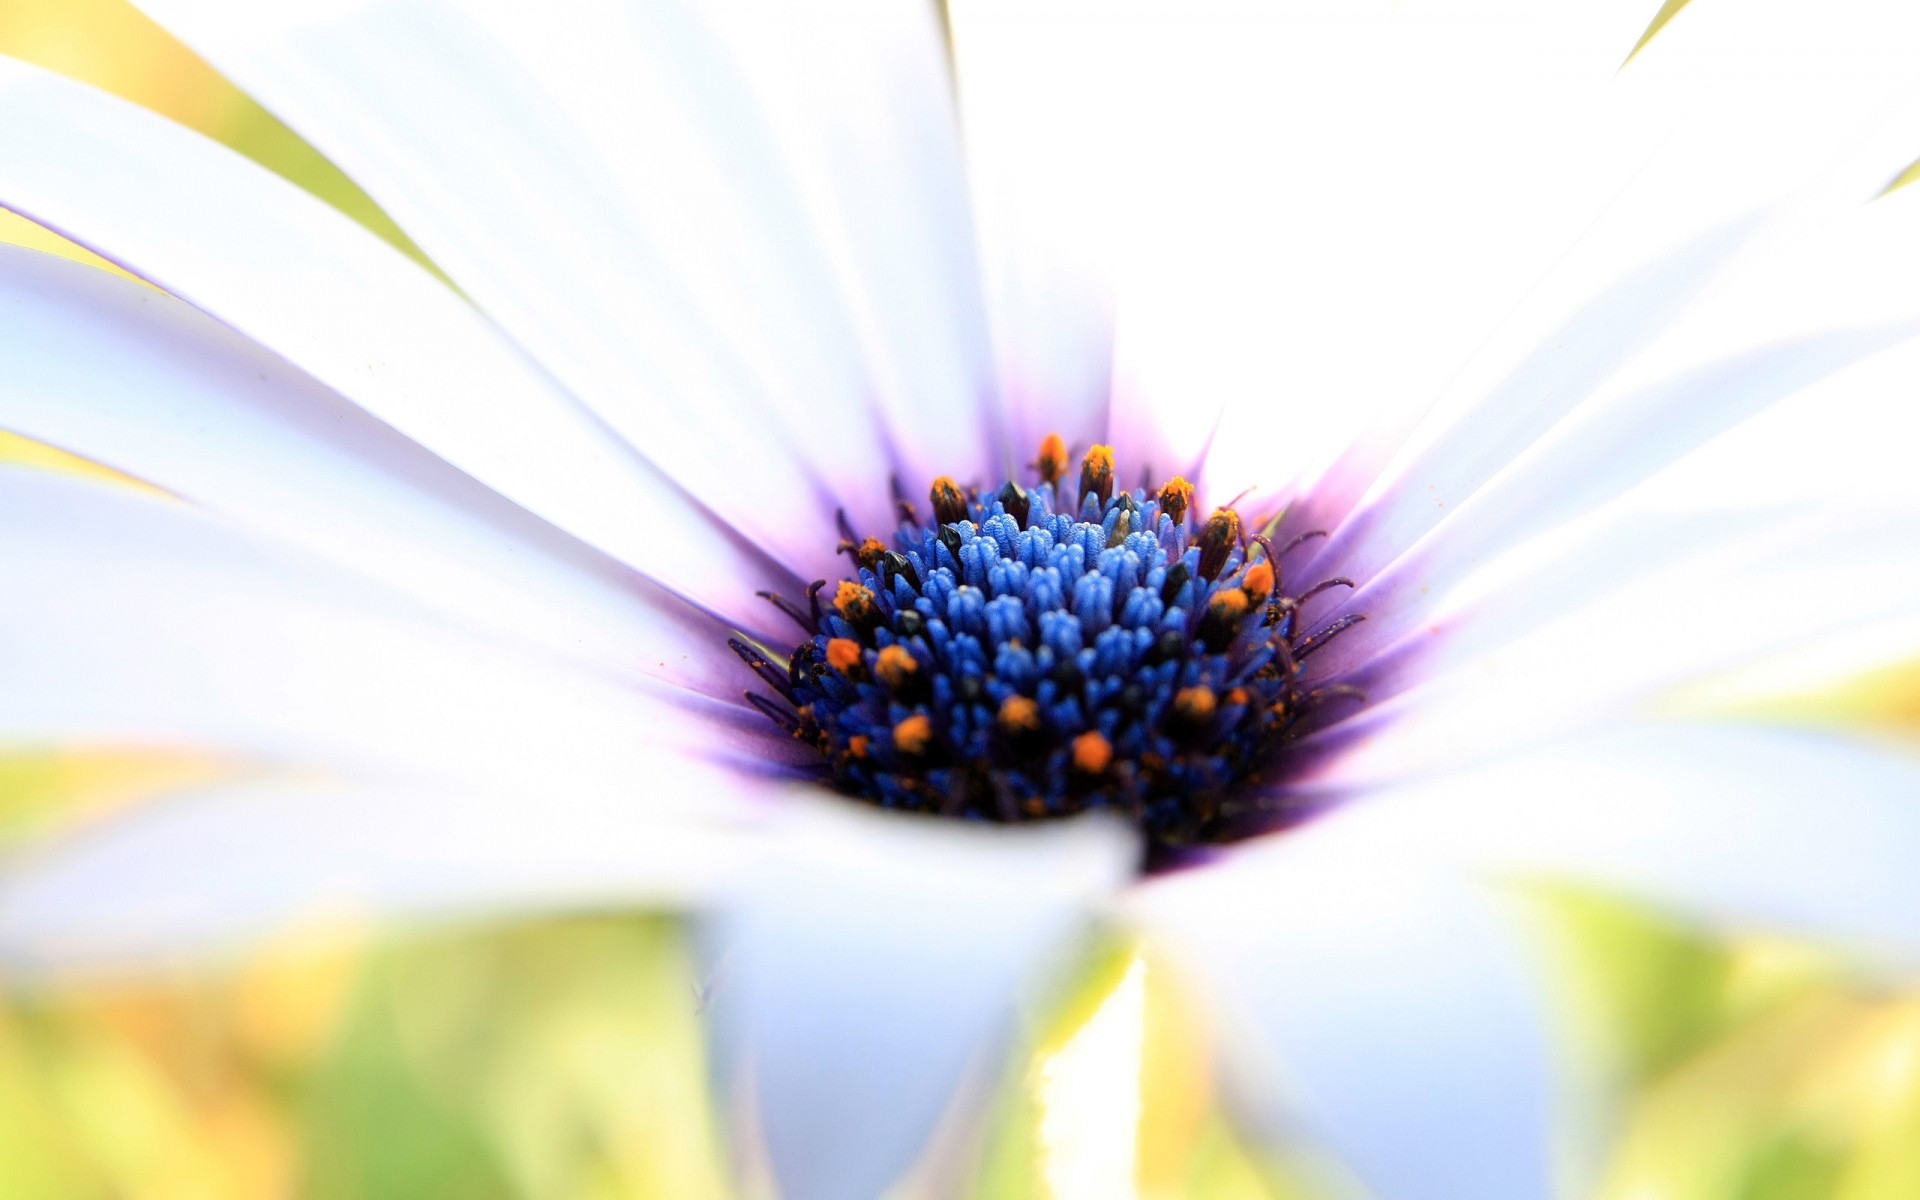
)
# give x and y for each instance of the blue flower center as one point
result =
(1035, 652)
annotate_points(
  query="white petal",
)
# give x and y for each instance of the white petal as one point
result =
(1331, 207)
(870, 961)
(1699, 129)
(1752, 828)
(1564, 370)
(1593, 458)
(1578, 630)
(1379, 1008)
(1049, 109)
(209, 871)
(735, 235)
(135, 620)
(334, 300)
(144, 383)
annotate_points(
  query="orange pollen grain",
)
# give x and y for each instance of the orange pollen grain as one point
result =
(894, 665)
(1217, 540)
(852, 601)
(843, 654)
(869, 552)
(1096, 473)
(1019, 714)
(1092, 753)
(912, 735)
(1176, 497)
(857, 745)
(1229, 605)
(1195, 704)
(1257, 582)
(1052, 462)
(1237, 696)
(949, 502)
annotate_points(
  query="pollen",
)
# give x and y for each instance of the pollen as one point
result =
(843, 655)
(913, 735)
(1230, 605)
(1195, 705)
(1176, 498)
(1052, 460)
(895, 666)
(1218, 540)
(1092, 753)
(1019, 715)
(1257, 581)
(1029, 653)
(855, 603)
(949, 502)
(1096, 474)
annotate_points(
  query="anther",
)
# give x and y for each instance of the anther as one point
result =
(1014, 500)
(913, 735)
(1019, 715)
(1217, 542)
(1193, 707)
(866, 552)
(855, 603)
(1092, 753)
(1257, 582)
(895, 563)
(949, 502)
(1176, 498)
(1096, 474)
(1177, 576)
(895, 667)
(1052, 462)
(1225, 611)
(843, 655)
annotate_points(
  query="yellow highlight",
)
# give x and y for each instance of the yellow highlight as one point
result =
(44, 788)
(1668, 12)
(17, 230)
(1902, 179)
(20, 450)
(1089, 1096)
(113, 46)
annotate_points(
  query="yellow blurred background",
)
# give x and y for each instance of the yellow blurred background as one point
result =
(563, 1058)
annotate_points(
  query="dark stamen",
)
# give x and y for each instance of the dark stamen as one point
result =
(1325, 634)
(1032, 653)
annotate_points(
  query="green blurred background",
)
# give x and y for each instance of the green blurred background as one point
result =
(563, 1058)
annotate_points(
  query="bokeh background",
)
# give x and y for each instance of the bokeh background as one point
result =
(564, 1058)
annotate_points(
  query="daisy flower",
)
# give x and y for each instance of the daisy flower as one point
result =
(912, 487)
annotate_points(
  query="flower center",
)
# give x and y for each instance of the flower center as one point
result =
(1035, 652)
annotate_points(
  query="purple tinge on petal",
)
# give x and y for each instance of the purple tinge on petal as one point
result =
(149, 386)
(307, 282)
(1595, 461)
(1567, 368)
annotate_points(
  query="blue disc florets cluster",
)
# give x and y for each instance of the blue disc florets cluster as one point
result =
(1018, 658)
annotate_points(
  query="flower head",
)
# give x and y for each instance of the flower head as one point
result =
(770, 441)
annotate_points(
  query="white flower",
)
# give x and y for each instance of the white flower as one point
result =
(451, 576)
